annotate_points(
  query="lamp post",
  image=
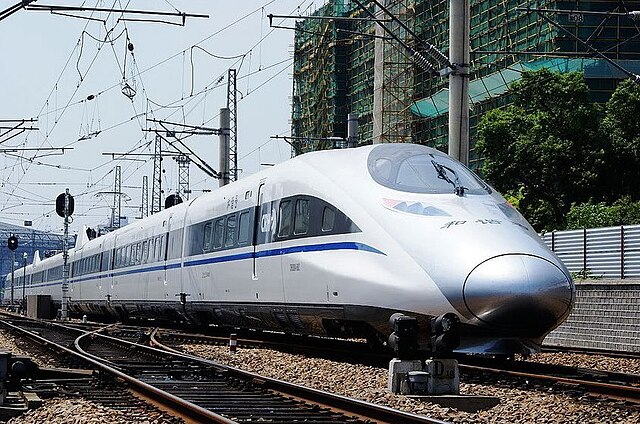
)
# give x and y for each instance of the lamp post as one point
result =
(24, 282)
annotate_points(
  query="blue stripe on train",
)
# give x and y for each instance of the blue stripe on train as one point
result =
(229, 258)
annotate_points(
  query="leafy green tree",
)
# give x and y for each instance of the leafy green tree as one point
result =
(548, 143)
(623, 211)
(622, 125)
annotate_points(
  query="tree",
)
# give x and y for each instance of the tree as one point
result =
(622, 125)
(589, 215)
(548, 144)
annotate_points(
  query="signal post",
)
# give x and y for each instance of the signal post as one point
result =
(12, 244)
(64, 208)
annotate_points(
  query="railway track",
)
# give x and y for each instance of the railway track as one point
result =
(611, 385)
(202, 390)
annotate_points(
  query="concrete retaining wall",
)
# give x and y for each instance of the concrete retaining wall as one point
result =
(606, 316)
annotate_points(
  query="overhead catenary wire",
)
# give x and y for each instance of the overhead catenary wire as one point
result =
(140, 116)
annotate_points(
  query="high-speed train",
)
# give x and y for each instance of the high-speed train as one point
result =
(331, 242)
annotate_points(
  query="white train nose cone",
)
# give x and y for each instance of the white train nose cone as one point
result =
(519, 292)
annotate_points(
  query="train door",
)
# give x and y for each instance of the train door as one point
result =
(256, 229)
(302, 277)
(167, 260)
(109, 278)
(173, 267)
(267, 268)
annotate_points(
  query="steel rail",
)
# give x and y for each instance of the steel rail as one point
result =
(615, 391)
(352, 406)
(180, 406)
(629, 393)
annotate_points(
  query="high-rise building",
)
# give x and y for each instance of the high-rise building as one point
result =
(353, 66)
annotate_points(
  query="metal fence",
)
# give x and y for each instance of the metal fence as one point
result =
(611, 252)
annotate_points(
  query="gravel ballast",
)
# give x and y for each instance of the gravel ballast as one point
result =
(64, 410)
(369, 384)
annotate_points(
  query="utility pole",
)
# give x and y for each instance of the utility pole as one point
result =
(459, 24)
(232, 105)
(224, 147)
(156, 191)
(145, 197)
(117, 199)
(183, 176)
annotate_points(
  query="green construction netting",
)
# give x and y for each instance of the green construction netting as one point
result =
(497, 83)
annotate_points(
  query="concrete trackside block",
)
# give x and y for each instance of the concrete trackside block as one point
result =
(445, 377)
(32, 400)
(466, 403)
(398, 371)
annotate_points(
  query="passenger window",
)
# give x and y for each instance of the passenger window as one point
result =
(206, 240)
(328, 219)
(301, 224)
(145, 251)
(218, 233)
(243, 228)
(284, 219)
(158, 248)
(231, 231)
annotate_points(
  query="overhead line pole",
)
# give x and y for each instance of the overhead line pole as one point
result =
(145, 197)
(156, 190)
(459, 58)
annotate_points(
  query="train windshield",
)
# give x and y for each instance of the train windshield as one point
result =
(420, 169)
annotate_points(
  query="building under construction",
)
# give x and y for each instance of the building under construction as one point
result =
(353, 66)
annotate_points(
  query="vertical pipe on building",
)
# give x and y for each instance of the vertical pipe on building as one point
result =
(352, 130)
(225, 124)
(459, 24)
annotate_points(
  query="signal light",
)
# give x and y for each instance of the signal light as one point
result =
(12, 242)
(60, 205)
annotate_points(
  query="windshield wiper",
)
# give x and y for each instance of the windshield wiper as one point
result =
(458, 188)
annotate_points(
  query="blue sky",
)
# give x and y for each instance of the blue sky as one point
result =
(60, 70)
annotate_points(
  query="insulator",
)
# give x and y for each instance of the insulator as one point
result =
(435, 53)
(422, 62)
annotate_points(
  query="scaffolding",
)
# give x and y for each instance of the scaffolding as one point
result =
(504, 43)
(320, 80)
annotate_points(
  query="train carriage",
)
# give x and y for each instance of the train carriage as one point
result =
(332, 242)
